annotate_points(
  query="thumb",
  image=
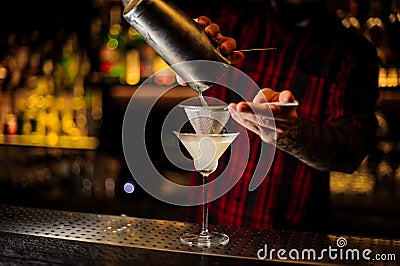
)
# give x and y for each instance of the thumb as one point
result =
(266, 95)
(286, 96)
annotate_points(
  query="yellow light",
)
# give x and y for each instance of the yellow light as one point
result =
(31, 101)
(392, 18)
(78, 103)
(115, 29)
(33, 139)
(97, 113)
(41, 102)
(68, 125)
(354, 22)
(133, 78)
(132, 32)
(346, 23)
(41, 86)
(60, 103)
(132, 67)
(112, 44)
(41, 117)
(26, 128)
(3, 72)
(52, 139)
(49, 101)
(30, 113)
(75, 133)
(21, 103)
(52, 121)
(81, 120)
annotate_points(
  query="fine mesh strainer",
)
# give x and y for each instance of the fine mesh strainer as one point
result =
(210, 119)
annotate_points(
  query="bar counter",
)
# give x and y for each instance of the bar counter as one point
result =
(43, 236)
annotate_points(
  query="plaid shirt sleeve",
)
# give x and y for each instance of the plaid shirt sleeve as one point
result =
(348, 127)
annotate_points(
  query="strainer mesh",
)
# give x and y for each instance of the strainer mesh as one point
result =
(207, 119)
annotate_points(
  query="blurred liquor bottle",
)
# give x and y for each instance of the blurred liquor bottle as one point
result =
(112, 59)
(349, 15)
(125, 57)
(375, 29)
(393, 29)
(45, 94)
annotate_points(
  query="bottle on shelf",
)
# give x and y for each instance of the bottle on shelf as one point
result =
(394, 31)
(349, 16)
(125, 57)
(112, 59)
(46, 94)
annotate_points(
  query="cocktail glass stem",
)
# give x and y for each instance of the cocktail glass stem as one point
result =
(204, 226)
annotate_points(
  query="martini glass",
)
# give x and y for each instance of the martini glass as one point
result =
(205, 150)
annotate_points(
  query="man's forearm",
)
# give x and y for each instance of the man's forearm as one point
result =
(325, 148)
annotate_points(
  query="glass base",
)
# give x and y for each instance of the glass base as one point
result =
(208, 240)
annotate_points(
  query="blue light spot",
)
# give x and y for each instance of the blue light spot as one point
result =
(129, 187)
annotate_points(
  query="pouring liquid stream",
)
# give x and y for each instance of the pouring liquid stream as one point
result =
(202, 99)
(199, 89)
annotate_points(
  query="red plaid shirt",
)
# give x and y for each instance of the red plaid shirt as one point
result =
(333, 75)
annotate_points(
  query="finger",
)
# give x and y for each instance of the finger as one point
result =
(235, 116)
(236, 57)
(243, 107)
(263, 122)
(241, 112)
(203, 21)
(264, 132)
(266, 95)
(247, 119)
(268, 135)
(212, 30)
(228, 45)
(262, 111)
(286, 96)
(252, 126)
(256, 108)
(250, 111)
(232, 108)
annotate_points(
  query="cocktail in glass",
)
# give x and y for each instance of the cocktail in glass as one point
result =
(205, 149)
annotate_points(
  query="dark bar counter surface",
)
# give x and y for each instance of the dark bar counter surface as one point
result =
(34, 236)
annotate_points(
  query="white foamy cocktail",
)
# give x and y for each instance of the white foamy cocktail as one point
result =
(206, 149)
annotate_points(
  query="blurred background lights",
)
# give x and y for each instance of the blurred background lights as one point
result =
(129, 187)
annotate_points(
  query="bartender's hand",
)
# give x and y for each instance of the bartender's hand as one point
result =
(256, 117)
(227, 45)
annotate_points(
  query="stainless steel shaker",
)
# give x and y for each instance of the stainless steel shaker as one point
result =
(178, 39)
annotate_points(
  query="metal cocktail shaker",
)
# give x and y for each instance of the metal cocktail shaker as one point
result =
(177, 38)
